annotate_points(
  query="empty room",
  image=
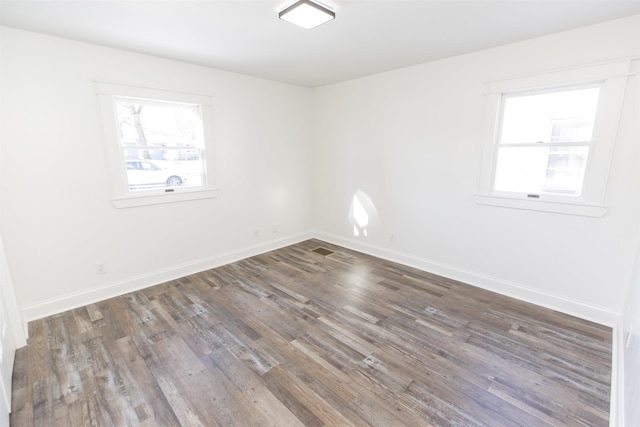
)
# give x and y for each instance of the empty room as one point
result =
(336, 213)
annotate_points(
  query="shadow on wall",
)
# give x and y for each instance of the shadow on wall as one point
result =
(362, 213)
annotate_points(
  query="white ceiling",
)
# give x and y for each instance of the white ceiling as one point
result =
(367, 36)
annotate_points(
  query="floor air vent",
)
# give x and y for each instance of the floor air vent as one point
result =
(323, 251)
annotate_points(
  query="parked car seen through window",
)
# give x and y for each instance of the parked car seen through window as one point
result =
(145, 173)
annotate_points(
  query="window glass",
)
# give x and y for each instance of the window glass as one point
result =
(541, 169)
(544, 141)
(161, 143)
(561, 116)
(549, 138)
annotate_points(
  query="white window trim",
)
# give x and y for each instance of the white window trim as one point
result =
(581, 209)
(613, 76)
(121, 197)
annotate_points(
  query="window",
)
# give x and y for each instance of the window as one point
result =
(544, 141)
(155, 142)
(549, 139)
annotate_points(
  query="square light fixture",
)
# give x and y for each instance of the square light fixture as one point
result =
(306, 14)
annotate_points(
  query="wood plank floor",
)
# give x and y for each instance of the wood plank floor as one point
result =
(294, 337)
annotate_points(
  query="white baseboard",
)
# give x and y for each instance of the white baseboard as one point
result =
(581, 309)
(78, 299)
(566, 305)
(560, 303)
(616, 409)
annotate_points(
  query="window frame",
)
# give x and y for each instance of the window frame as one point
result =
(498, 145)
(122, 197)
(612, 78)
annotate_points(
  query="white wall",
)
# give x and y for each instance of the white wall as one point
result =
(411, 139)
(630, 335)
(11, 324)
(631, 323)
(57, 217)
(408, 139)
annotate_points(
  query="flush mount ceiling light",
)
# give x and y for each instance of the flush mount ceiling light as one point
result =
(306, 14)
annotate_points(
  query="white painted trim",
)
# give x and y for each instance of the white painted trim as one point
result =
(583, 73)
(13, 313)
(616, 408)
(155, 199)
(612, 76)
(594, 211)
(148, 92)
(100, 293)
(576, 308)
(581, 309)
(122, 195)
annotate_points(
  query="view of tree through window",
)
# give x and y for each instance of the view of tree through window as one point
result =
(162, 143)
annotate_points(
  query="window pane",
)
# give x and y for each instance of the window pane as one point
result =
(150, 174)
(541, 170)
(158, 123)
(162, 143)
(565, 116)
(135, 152)
(565, 170)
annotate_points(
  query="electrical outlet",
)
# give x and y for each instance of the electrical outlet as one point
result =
(256, 233)
(101, 267)
(392, 237)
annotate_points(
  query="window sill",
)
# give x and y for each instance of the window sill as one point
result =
(156, 199)
(594, 211)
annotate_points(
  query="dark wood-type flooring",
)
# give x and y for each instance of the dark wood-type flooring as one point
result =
(294, 337)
